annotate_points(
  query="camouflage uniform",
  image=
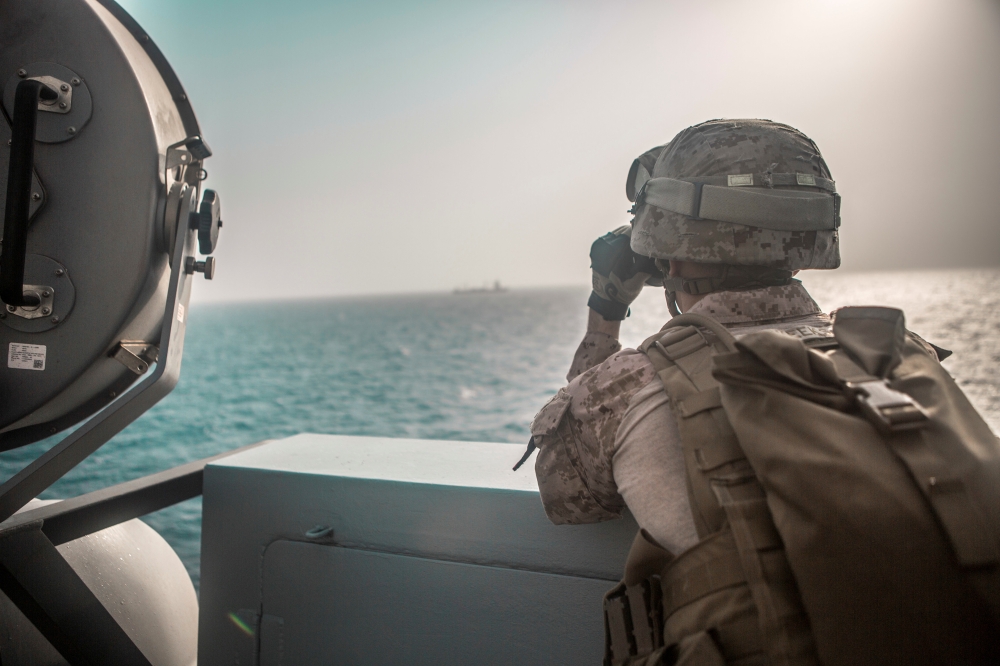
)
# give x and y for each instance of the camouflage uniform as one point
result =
(776, 211)
(577, 432)
(580, 431)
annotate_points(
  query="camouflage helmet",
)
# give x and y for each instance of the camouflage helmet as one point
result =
(736, 192)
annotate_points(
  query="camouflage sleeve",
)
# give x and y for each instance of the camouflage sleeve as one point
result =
(595, 348)
(575, 434)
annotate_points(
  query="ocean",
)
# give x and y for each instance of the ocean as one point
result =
(472, 367)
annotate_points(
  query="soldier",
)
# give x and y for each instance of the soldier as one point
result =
(726, 214)
(601, 438)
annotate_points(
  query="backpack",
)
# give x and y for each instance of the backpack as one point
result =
(847, 497)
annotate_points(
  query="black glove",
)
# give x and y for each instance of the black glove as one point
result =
(618, 274)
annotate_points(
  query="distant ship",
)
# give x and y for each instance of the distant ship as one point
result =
(497, 288)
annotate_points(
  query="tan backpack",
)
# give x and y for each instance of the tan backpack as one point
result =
(847, 496)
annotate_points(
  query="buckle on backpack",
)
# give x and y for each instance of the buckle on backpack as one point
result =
(888, 409)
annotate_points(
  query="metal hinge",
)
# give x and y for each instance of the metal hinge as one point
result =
(135, 355)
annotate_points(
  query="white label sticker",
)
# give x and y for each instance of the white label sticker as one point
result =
(180, 312)
(741, 180)
(26, 357)
(805, 179)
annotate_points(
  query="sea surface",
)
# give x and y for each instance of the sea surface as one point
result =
(470, 367)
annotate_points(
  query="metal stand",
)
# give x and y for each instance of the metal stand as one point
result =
(49, 592)
(51, 595)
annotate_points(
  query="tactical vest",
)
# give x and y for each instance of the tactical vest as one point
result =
(846, 497)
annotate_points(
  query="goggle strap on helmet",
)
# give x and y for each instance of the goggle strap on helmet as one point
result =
(638, 176)
(737, 199)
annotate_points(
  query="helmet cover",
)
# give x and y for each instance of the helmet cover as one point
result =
(724, 148)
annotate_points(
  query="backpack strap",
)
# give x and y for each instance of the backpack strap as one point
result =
(681, 354)
(725, 493)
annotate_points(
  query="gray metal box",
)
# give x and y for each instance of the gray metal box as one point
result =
(439, 554)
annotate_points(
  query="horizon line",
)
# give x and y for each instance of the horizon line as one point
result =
(581, 285)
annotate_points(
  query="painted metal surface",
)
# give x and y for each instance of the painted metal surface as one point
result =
(440, 507)
(329, 605)
(105, 195)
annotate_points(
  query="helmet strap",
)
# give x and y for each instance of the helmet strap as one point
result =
(672, 304)
(733, 278)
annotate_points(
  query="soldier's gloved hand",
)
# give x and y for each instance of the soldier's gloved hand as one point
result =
(619, 274)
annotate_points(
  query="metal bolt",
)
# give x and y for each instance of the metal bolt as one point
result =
(71, 130)
(22, 73)
(62, 105)
(35, 196)
(112, 394)
(75, 82)
(11, 308)
(64, 88)
(932, 481)
(60, 272)
(46, 310)
(46, 293)
(55, 319)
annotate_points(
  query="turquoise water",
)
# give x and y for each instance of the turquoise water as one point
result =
(463, 367)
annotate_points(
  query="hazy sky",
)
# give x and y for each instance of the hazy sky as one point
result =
(394, 147)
